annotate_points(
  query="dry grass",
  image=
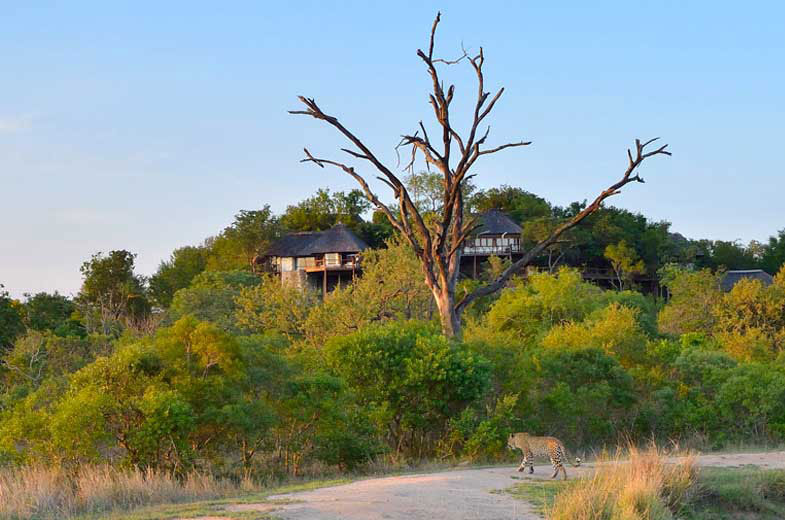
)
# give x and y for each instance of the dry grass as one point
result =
(636, 485)
(44, 493)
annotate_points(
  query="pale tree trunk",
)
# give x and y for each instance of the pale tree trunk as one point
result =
(438, 245)
(448, 317)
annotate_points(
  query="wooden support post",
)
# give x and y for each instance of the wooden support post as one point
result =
(324, 283)
(475, 267)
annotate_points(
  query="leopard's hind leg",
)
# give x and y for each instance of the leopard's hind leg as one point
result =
(557, 460)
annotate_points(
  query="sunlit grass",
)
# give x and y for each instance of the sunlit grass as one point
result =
(637, 484)
(34, 492)
(648, 485)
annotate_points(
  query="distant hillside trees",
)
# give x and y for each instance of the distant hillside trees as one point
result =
(52, 312)
(11, 319)
(177, 273)
(112, 294)
(774, 253)
(323, 210)
(237, 246)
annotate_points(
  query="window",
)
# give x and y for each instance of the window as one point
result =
(305, 261)
(332, 259)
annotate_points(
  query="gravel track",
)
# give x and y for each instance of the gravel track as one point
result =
(465, 494)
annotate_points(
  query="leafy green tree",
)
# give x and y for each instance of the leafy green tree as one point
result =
(518, 203)
(774, 254)
(539, 228)
(545, 300)
(157, 402)
(239, 244)
(410, 378)
(750, 321)
(390, 288)
(579, 395)
(25, 424)
(106, 406)
(625, 262)
(481, 435)
(53, 312)
(685, 402)
(377, 232)
(111, 292)
(272, 306)
(323, 210)
(251, 416)
(652, 241)
(346, 439)
(693, 295)
(731, 255)
(319, 419)
(752, 401)
(645, 307)
(11, 319)
(315, 213)
(177, 273)
(614, 329)
(211, 297)
(36, 356)
(427, 192)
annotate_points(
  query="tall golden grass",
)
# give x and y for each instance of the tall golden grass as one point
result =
(636, 485)
(48, 493)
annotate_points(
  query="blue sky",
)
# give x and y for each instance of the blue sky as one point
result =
(146, 127)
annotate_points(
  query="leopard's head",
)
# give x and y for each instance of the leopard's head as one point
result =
(513, 441)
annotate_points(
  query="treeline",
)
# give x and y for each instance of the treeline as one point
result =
(208, 365)
(244, 376)
(610, 238)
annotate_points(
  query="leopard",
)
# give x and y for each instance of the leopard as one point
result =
(532, 446)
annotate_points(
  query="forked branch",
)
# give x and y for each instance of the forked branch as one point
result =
(635, 161)
(438, 246)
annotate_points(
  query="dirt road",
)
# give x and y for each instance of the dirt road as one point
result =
(455, 495)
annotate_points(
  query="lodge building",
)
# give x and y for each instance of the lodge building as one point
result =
(324, 260)
(497, 235)
(319, 260)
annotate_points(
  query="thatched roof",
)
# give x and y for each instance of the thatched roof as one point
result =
(496, 222)
(731, 278)
(338, 239)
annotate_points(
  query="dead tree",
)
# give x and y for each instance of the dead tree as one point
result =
(438, 245)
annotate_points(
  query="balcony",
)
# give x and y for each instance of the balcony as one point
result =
(489, 250)
(341, 263)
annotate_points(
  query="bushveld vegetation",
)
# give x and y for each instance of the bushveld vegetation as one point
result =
(210, 374)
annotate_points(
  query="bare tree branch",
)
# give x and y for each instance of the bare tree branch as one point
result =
(438, 246)
(614, 189)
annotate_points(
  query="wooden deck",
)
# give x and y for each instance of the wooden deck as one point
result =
(337, 267)
(321, 266)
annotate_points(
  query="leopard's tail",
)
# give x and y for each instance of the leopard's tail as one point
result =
(574, 462)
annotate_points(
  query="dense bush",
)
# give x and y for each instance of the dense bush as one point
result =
(245, 377)
(410, 378)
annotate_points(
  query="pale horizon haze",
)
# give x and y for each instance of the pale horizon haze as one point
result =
(147, 125)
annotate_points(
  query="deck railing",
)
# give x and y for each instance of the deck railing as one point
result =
(491, 250)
